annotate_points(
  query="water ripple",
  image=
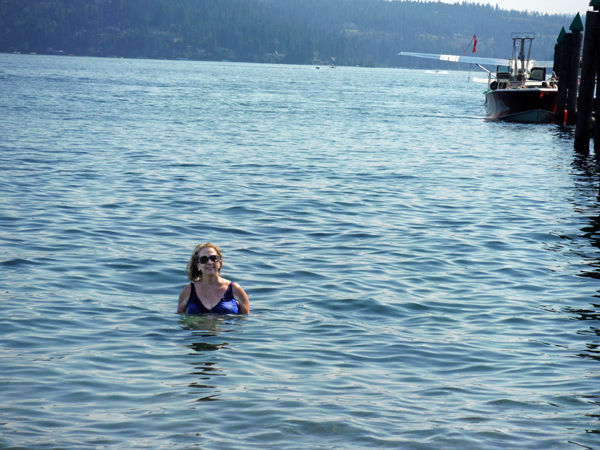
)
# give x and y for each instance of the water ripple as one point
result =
(419, 278)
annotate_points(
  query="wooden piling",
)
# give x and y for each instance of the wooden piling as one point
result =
(574, 65)
(563, 78)
(597, 103)
(589, 67)
(596, 5)
(557, 47)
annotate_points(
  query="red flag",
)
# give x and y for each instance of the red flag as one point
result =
(474, 41)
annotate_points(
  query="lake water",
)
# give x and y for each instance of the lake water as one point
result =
(419, 278)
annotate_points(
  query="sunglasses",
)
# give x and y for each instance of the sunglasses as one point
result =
(205, 259)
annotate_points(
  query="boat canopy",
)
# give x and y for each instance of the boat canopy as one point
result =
(517, 63)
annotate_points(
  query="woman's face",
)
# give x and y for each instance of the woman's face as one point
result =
(209, 262)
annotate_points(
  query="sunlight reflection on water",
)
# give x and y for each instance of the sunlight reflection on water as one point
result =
(419, 278)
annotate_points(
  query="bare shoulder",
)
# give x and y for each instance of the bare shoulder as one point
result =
(242, 298)
(186, 291)
(237, 289)
(183, 298)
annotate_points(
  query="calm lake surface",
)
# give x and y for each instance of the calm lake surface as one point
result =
(419, 278)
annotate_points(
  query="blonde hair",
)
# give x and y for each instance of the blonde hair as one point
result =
(192, 271)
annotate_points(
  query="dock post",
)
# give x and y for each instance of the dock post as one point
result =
(596, 131)
(589, 66)
(557, 50)
(574, 65)
(563, 78)
(597, 104)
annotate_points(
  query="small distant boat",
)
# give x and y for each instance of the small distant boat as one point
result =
(518, 91)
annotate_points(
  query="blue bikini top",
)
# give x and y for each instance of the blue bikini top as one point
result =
(227, 304)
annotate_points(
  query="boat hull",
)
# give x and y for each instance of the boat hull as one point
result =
(531, 105)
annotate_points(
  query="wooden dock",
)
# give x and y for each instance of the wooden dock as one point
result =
(576, 94)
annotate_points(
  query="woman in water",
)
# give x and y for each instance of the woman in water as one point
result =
(208, 292)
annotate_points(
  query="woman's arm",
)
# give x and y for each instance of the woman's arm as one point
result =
(183, 298)
(241, 298)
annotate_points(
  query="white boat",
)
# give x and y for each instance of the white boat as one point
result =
(518, 90)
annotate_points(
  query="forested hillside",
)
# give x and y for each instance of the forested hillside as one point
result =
(341, 32)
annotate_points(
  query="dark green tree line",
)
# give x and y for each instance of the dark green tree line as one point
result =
(366, 32)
